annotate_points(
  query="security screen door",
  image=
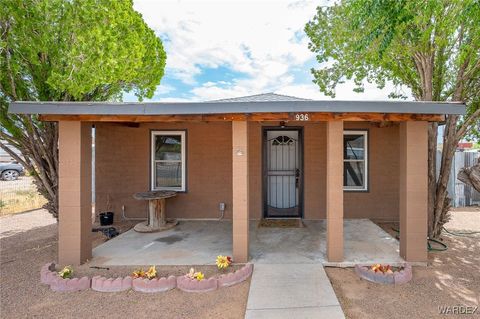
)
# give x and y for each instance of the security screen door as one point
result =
(282, 173)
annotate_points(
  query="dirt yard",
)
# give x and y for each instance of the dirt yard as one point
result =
(22, 295)
(451, 279)
(28, 241)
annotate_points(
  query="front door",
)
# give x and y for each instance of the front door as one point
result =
(282, 173)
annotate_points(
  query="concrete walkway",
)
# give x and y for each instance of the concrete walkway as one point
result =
(291, 291)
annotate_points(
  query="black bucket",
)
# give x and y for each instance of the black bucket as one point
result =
(106, 219)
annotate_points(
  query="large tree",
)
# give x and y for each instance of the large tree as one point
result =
(431, 47)
(68, 50)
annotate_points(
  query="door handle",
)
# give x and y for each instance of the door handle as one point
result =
(297, 177)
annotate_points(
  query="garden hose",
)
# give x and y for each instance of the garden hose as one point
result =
(442, 245)
(430, 241)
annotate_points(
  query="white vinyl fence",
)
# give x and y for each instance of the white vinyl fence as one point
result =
(461, 194)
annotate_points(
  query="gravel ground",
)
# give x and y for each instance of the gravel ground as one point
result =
(451, 279)
(18, 223)
(22, 295)
(27, 241)
(464, 219)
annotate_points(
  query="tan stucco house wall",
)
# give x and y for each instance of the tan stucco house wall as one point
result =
(122, 165)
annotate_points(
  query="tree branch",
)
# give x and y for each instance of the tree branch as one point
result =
(467, 125)
(14, 155)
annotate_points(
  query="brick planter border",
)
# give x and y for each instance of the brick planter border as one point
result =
(236, 277)
(397, 277)
(404, 275)
(48, 273)
(193, 285)
(74, 284)
(103, 284)
(154, 285)
(49, 276)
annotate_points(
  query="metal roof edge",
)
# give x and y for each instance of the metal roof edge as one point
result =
(179, 108)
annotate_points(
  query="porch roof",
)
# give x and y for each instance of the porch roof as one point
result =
(239, 108)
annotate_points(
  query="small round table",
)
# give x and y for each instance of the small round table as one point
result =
(157, 219)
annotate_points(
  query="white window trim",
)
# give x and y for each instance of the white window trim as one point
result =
(365, 184)
(152, 160)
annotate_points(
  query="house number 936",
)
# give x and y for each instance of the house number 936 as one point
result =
(302, 117)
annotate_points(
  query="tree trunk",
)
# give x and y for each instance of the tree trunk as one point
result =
(471, 176)
(39, 147)
(442, 201)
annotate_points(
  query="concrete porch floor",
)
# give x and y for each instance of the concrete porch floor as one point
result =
(199, 243)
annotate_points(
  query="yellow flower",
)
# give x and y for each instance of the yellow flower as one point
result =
(151, 272)
(222, 262)
(199, 276)
(66, 272)
(138, 273)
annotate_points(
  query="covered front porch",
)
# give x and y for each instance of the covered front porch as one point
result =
(199, 243)
(216, 154)
(335, 239)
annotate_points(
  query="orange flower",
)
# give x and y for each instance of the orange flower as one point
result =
(138, 273)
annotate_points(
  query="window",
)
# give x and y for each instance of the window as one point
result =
(168, 160)
(355, 160)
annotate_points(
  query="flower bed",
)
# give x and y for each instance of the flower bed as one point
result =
(141, 281)
(400, 276)
(50, 277)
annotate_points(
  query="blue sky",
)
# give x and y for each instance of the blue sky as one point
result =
(222, 49)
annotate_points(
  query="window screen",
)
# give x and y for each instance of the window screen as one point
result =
(355, 160)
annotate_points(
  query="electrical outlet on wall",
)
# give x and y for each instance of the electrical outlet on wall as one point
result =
(221, 206)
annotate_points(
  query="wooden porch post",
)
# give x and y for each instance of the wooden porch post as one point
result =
(413, 190)
(335, 191)
(240, 190)
(75, 192)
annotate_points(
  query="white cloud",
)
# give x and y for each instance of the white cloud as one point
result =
(343, 92)
(263, 40)
(163, 89)
(258, 38)
(242, 87)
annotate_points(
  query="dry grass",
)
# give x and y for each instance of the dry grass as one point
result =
(23, 201)
(19, 196)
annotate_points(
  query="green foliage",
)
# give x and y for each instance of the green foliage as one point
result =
(66, 272)
(77, 50)
(68, 50)
(431, 47)
(421, 45)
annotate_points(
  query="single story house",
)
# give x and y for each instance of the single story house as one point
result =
(264, 156)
